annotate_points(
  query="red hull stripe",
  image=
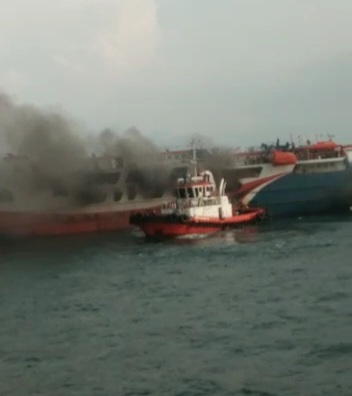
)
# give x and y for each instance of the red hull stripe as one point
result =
(247, 187)
(45, 224)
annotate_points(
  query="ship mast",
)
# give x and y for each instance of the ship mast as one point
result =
(194, 157)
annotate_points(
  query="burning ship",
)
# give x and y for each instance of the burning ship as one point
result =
(54, 186)
(101, 193)
(100, 196)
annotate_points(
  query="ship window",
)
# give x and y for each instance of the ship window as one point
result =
(190, 192)
(131, 192)
(6, 196)
(182, 192)
(117, 195)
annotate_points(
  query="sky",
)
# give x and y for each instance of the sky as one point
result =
(239, 72)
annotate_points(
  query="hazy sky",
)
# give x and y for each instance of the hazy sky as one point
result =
(241, 71)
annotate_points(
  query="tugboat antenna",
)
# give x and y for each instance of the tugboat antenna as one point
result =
(194, 157)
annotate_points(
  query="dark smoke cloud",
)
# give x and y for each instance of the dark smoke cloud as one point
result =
(219, 159)
(57, 157)
(213, 157)
(47, 138)
(48, 141)
(146, 174)
(132, 146)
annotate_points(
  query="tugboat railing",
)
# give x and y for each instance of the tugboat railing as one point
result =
(197, 202)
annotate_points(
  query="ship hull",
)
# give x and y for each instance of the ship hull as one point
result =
(20, 224)
(293, 194)
(171, 226)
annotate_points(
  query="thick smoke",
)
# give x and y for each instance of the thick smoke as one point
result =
(132, 146)
(56, 157)
(143, 159)
(212, 156)
(219, 159)
(47, 139)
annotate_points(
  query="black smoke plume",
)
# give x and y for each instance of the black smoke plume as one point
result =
(54, 156)
(46, 140)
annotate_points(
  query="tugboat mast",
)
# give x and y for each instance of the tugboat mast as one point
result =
(194, 158)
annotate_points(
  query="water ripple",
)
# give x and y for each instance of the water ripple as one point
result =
(263, 312)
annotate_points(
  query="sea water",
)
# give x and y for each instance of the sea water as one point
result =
(260, 311)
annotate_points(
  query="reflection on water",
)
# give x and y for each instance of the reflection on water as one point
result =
(241, 235)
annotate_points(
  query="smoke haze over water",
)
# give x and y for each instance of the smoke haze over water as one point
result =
(54, 140)
(57, 152)
(47, 138)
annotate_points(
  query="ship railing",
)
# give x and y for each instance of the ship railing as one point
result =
(196, 202)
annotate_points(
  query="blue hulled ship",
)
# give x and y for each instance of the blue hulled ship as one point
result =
(312, 179)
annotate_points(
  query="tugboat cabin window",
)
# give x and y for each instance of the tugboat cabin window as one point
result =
(209, 191)
(182, 193)
(190, 192)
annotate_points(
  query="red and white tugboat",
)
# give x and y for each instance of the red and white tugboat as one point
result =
(200, 208)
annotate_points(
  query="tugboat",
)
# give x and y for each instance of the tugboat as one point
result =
(199, 208)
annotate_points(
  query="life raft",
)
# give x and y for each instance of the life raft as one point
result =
(279, 158)
(324, 145)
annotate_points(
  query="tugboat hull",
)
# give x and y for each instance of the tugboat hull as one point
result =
(175, 226)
